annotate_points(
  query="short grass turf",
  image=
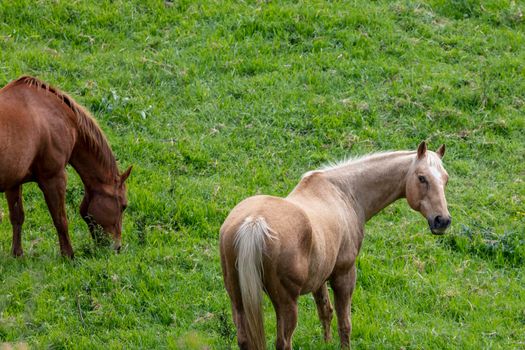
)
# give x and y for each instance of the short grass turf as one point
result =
(215, 101)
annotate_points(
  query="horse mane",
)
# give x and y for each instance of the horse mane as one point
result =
(87, 125)
(354, 160)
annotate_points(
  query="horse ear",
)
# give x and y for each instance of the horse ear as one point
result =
(421, 150)
(441, 151)
(124, 176)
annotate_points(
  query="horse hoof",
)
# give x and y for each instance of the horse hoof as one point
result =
(68, 255)
(18, 254)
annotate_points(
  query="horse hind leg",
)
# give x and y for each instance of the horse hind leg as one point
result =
(284, 287)
(284, 291)
(325, 311)
(16, 216)
(239, 318)
(285, 306)
(232, 287)
(286, 314)
(343, 286)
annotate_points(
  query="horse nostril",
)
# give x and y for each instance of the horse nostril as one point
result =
(441, 222)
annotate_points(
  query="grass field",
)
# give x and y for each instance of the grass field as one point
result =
(216, 101)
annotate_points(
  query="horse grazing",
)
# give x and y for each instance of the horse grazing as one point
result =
(41, 130)
(294, 245)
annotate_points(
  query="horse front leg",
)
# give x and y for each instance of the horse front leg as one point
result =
(54, 190)
(16, 216)
(343, 285)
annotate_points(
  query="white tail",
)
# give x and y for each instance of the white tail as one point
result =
(249, 244)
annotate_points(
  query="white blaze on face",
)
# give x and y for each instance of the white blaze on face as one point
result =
(435, 167)
(436, 173)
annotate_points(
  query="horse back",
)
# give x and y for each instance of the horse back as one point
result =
(33, 126)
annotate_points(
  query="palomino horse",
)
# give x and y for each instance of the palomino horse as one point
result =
(41, 130)
(294, 245)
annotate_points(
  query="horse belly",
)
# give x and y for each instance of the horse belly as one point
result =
(322, 260)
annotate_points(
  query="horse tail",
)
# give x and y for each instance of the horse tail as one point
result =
(249, 244)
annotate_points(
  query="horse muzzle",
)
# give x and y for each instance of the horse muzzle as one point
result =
(117, 245)
(439, 224)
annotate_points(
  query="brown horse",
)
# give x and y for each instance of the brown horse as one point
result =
(294, 245)
(41, 130)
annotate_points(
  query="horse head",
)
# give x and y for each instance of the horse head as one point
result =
(102, 209)
(425, 188)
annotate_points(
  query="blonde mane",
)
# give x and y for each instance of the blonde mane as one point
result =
(87, 126)
(353, 160)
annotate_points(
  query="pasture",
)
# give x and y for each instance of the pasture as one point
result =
(212, 102)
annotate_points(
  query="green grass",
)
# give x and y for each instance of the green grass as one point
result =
(216, 101)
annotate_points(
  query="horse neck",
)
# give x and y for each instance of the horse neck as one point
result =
(372, 183)
(94, 171)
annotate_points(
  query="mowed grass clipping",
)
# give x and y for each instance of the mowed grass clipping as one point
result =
(215, 101)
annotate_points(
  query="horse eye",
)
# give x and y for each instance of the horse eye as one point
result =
(124, 207)
(422, 179)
